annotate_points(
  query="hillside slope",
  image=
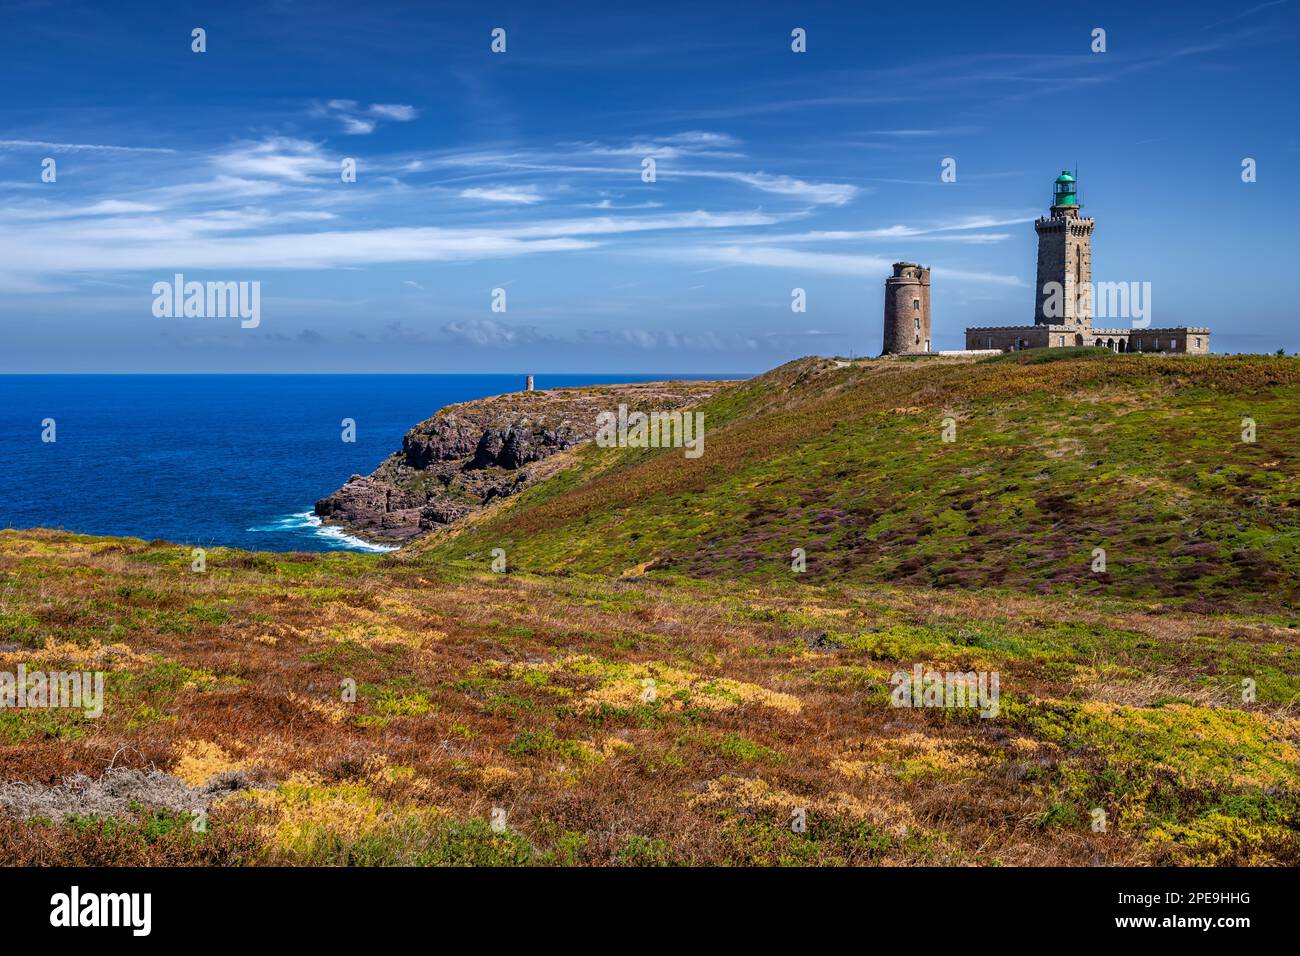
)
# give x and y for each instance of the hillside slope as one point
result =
(1055, 455)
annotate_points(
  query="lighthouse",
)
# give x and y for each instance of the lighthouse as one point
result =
(1064, 261)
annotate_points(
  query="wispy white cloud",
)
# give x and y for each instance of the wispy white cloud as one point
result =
(357, 126)
(279, 157)
(698, 341)
(1242, 14)
(359, 120)
(14, 283)
(79, 147)
(863, 266)
(781, 258)
(394, 111)
(676, 158)
(695, 143)
(525, 195)
(106, 207)
(197, 241)
(835, 194)
(222, 187)
(268, 192)
(608, 203)
(490, 333)
(960, 231)
(318, 250)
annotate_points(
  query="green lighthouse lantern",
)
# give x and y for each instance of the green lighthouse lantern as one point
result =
(1064, 193)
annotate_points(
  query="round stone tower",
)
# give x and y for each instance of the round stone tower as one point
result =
(907, 310)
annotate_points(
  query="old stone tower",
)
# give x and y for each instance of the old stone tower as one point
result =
(1064, 261)
(1065, 298)
(907, 310)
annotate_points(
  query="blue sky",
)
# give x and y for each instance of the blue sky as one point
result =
(522, 171)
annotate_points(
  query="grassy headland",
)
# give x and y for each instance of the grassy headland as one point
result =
(650, 683)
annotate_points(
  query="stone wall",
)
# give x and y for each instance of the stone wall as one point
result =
(1008, 338)
(1011, 338)
(1190, 341)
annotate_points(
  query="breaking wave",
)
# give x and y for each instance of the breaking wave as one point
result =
(307, 522)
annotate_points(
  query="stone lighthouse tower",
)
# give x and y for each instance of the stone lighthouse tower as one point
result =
(907, 310)
(1064, 261)
(1063, 301)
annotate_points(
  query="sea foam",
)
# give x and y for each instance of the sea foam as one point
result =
(335, 537)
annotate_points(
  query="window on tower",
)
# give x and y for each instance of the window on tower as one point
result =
(918, 322)
(916, 305)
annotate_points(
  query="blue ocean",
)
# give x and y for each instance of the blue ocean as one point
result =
(206, 460)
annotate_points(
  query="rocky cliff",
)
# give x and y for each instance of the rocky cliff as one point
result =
(471, 454)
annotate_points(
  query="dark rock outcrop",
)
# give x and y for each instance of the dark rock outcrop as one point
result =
(471, 454)
(374, 506)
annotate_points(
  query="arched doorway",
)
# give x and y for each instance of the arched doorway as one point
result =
(1123, 345)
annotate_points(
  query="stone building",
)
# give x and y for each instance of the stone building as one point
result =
(907, 310)
(1064, 295)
